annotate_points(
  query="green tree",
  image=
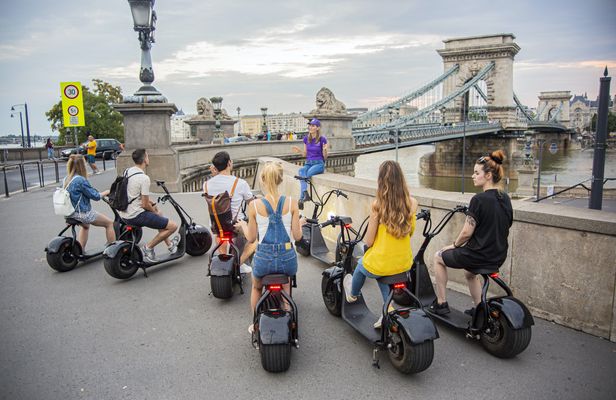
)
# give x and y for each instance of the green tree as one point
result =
(611, 123)
(100, 117)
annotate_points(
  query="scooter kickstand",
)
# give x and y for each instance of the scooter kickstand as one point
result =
(145, 274)
(375, 358)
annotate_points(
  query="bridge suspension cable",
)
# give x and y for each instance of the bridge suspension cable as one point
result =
(521, 107)
(405, 99)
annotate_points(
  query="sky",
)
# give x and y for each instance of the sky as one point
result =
(278, 54)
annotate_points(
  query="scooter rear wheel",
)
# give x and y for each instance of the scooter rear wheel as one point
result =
(222, 286)
(275, 357)
(407, 357)
(503, 341)
(331, 296)
(120, 266)
(66, 258)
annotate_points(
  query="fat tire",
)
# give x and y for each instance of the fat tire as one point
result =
(275, 357)
(119, 267)
(509, 343)
(332, 301)
(415, 358)
(222, 286)
(65, 259)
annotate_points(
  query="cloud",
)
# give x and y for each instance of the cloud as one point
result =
(534, 65)
(286, 51)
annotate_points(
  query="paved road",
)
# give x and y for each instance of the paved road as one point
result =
(85, 335)
(31, 170)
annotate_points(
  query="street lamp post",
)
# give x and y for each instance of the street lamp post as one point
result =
(21, 123)
(264, 114)
(239, 126)
(144, 19)
(25, 106)
(463, 138)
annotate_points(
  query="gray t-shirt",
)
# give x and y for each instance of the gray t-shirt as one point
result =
(138, 185)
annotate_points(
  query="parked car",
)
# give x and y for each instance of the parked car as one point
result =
(110, 147)
(239, 139)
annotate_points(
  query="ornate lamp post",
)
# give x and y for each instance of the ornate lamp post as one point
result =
(239, 126)
(217, 105)
(25, 106)
(21, 123)
(144, 19)
(264, 113)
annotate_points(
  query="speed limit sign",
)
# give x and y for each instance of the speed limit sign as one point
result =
(72, 104)
(71, 91)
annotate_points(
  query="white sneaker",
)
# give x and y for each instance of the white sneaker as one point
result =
(245, 269)
(347, 282)
(251, 329)
(173, 247)
(379, 322)
(97, 173)
(148, 254)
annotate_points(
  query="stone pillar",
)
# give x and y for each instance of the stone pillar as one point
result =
(337, 128)
(204, 130)
(148, 125)
(526, 179)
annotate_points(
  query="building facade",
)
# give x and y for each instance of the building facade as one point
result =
(180, 131)
(252, 125)
(582, 110)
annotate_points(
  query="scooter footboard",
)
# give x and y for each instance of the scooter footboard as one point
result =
(221, 265)
(274, 327)
(417, 325)
(515, 312)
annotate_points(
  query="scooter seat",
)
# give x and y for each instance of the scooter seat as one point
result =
(484, 271)
(275, 279)
(73, 221)
(391, 279)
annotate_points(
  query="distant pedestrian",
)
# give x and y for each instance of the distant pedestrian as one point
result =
(315, 151)
(49, 147)
(91, 154)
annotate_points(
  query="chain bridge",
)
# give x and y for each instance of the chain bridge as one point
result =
(473, 97)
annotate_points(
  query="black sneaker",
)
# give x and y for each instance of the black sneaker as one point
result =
(470, 311)
(300, 204)
(439, 309)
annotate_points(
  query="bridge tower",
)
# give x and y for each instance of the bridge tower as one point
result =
(472, 54)
(554, 106)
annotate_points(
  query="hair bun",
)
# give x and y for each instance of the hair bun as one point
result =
(498, 156)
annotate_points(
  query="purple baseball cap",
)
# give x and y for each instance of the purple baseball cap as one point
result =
(314, 121)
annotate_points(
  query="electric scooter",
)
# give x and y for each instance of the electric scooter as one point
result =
(502, 323)
(224, 269)
(406, 333)
(64, 252)
(123, 258)
(312, 241)
(275, 323)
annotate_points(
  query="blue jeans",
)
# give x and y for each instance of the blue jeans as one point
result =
(310, 168)
(49, 153)
(359, 277)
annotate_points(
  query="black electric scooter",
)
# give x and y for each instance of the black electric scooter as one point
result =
(275, 323)
(123, 258)
(224, 269)
(64, 252)
(407, 333)
(312, 242)
(502, 323)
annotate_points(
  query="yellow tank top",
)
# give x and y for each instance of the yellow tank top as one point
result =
(389, 255)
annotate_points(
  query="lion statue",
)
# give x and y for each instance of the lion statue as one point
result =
(205, 110)
(328, 104)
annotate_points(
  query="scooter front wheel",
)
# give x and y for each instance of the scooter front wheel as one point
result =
(66, 258)
(406, 357)
(275, 357)
(331, 296)
(122, 265)
(502, 340)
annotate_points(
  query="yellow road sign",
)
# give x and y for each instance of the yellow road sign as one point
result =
(72, 104)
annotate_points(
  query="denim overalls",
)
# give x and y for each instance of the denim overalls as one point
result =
(275, 254)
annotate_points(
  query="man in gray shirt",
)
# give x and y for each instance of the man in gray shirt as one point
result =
(142, 212)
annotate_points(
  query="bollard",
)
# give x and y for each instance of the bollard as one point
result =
(6, 184)
(24, 183)
(57, 171)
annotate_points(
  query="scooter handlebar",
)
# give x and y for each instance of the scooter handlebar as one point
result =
(341, 193)
(302, 178)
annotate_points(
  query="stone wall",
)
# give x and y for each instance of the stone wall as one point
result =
(561, 261)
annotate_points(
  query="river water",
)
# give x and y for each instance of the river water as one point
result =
(565, 168)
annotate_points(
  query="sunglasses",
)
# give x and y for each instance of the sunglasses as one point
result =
(483, 159)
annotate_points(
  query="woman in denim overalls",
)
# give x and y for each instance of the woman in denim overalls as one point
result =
(277, 230)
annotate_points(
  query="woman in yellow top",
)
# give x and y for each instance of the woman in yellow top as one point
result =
(391, 224)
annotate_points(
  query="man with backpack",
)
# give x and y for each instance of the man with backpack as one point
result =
(141, 211)
(239, 192)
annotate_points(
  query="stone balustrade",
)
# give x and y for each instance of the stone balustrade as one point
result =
(561, 262)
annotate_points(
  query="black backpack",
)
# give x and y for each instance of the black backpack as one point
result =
(118, 194)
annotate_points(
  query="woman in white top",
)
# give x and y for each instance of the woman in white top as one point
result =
(277, 231)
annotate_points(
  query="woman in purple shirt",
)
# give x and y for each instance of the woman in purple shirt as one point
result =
(315, 151)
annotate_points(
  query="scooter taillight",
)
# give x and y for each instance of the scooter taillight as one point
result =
(224, 238)
(274, 288)
(129, 228)
(400, 285)
(494, 275)
(348, 226)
